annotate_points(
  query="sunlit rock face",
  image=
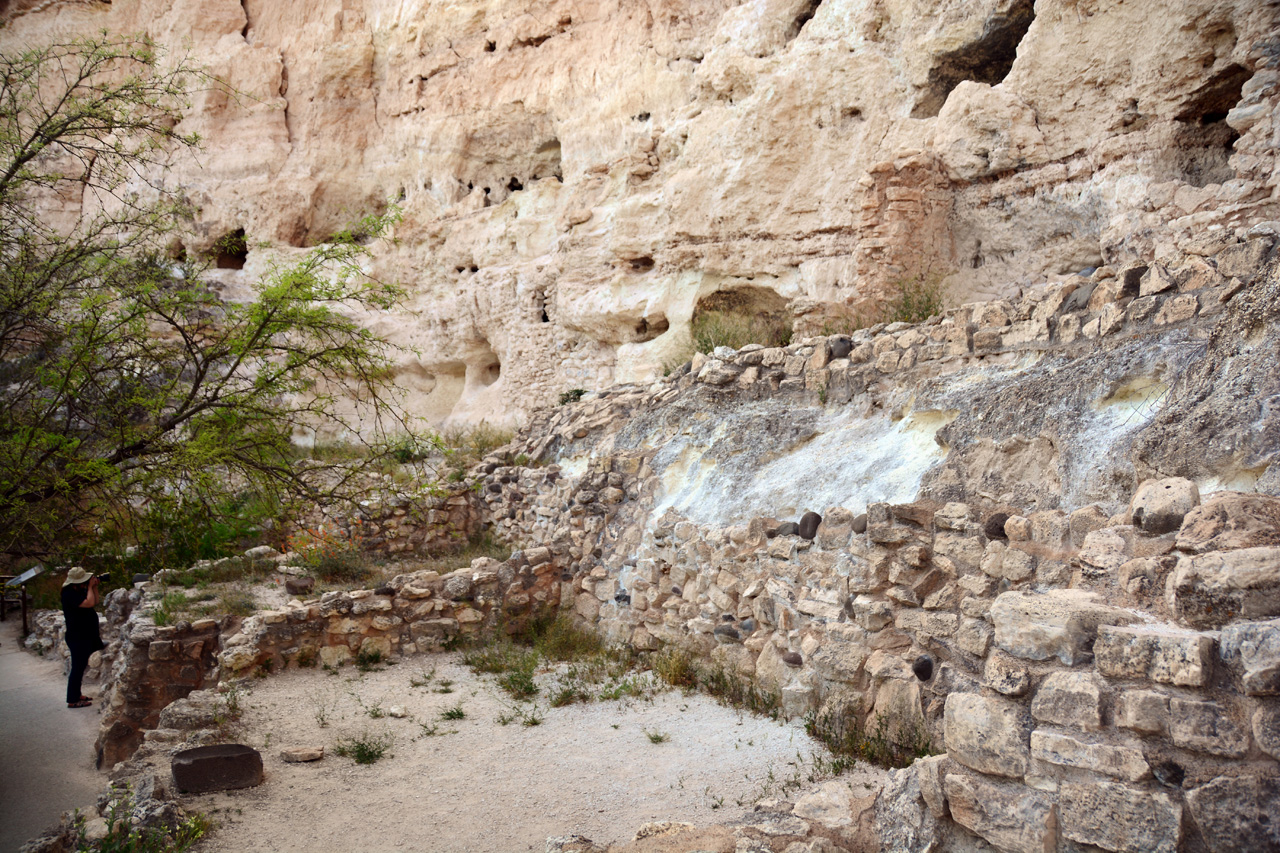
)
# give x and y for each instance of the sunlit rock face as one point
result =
(576, 176)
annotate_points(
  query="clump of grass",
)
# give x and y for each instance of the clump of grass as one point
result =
(884, 743)
(572, 396)
(559, 639)
(239, 602)
(675, 667)
(366, 748)
(423, 679)
(481, 545)
(657, 737)
(519, 683)
(367, 660)
(739, 692)
(171, 605)
(454, 713)
(711, 329)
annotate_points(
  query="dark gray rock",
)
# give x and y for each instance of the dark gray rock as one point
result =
(860, 524)
(789, 528)
(923, 667)
(840, 347)
(808, 526)
(793, 659)
(727, 634)
(221, 767)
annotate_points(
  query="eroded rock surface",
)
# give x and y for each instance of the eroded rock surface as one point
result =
(576, 179)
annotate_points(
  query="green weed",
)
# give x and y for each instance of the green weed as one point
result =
(365, 748)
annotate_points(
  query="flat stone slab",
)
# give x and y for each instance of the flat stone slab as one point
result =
(221, 767)
(299, 754)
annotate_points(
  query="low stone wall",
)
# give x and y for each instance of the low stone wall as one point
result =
(149, 667)
(418, 612)
(1089, 680)
(404, 521)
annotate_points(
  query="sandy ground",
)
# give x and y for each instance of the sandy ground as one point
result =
(474, 784)
(46, 749)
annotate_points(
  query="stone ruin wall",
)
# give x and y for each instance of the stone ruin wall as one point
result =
(576, 176)
(1099, 675)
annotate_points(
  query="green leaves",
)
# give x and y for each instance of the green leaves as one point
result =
(124, 379)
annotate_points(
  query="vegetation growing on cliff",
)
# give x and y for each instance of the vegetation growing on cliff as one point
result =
(129, 386)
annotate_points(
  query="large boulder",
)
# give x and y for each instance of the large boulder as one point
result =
(221, 767)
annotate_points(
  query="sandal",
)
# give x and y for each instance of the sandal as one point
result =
(80, 703)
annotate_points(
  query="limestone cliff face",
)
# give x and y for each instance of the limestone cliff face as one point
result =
(576, 176)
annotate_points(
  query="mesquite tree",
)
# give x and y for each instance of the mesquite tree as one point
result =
(125, 381)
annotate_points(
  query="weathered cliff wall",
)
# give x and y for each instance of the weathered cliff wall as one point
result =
(575, 176)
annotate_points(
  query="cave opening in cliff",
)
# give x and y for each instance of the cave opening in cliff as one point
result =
(547, 158)
(741, 315)
(231, 250)
(804, 16)
(988, 59)
(1203, 140)
(641, 264)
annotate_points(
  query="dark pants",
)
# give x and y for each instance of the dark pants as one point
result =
(80, 653)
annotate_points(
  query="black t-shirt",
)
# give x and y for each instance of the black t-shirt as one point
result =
(82, 622)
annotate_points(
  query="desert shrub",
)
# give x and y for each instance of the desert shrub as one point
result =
(334, 555)
(572, 396)
(365, 748)
(915, 300)
(474, 442)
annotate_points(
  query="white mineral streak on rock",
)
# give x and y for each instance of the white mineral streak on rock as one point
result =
(853, 460)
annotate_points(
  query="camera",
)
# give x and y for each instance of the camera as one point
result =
(103, 578)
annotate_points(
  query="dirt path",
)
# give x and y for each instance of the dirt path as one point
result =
(474, 784)
(46, 749)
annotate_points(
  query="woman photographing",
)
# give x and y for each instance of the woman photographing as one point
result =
(79, 598)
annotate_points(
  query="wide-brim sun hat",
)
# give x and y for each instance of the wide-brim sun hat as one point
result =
(76, 575)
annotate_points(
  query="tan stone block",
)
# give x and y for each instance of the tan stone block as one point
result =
(1115, 816)
(1122, 762)
(1011, 817)
(1070, 699)
(987, 734)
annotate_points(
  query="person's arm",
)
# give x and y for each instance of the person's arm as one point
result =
(91, 600)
